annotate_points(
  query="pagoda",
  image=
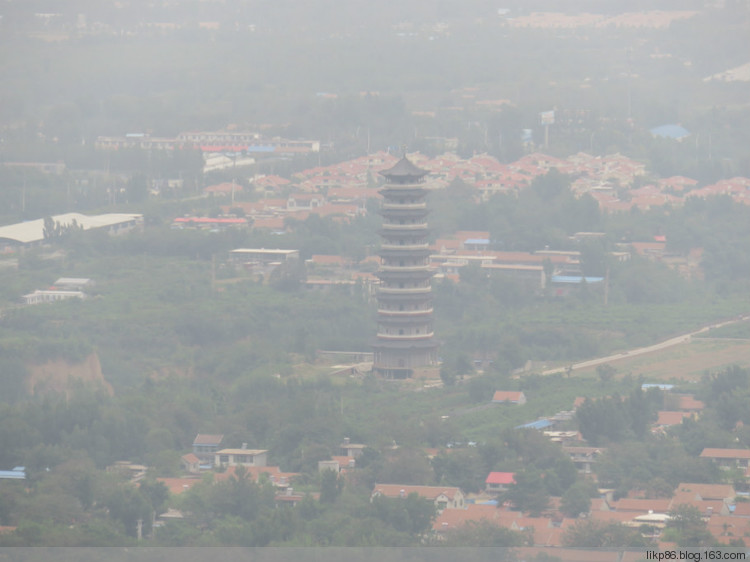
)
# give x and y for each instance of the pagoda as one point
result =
(405, 333)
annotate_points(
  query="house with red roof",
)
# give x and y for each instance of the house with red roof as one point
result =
(509, 397)
(451, 519)
(177, 486)
(444, 497)
(273, 474)
(190, 463)
(728, 458)
(724, 492)
(499, 482)
(338, 464)
(274, 224)
(667, 419)
(642, 505)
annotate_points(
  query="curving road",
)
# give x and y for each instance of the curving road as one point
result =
(642, 350)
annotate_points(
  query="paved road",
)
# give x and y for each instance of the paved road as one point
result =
(642, 350)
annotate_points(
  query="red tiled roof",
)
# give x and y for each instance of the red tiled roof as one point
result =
(507, 396)
(742, 509)
(671, 418)
(191, 458)
(707, 491)
(660, 505)
(326, 259)
(209, 220)
(255, 473)
(453, 518)
(272, 223)
(179, 485)
(709, 453)
(612, 516)
(429, 492)
(500, 478)
(207, 439)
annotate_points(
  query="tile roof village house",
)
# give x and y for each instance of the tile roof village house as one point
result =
(667, 419)
(177, 486)
(720, 492)
(508, 397)
(190, 463)
(715, 503)
(728, 458)
(499, 482)
(338, 464)
(279, 479)
(205, 446)
(444, 497)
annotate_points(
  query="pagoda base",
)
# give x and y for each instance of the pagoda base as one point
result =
(392, 373)
(398, 360)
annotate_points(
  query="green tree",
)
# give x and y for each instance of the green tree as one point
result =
(481, 534)
(588, 533)
(605, 372)
(157, 494)
(330, 486)
(687, 527)
(131, 508)
(576, 499)
(528, 493)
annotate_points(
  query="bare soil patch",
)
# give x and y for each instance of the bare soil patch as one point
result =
(58, 376)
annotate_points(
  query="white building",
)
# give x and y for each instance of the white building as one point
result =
(241, 457)
(39, 297)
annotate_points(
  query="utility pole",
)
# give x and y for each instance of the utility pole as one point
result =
(606, 287)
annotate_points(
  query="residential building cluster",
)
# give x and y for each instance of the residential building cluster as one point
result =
(721, 506)
(211, 142)
(651, 19)
(342, 190)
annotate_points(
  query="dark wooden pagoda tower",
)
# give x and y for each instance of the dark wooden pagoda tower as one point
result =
(405, 333)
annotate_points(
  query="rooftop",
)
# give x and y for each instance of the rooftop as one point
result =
(403, 169)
